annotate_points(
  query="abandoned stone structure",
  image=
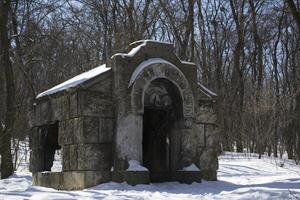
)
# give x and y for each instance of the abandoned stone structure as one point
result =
(141, 117)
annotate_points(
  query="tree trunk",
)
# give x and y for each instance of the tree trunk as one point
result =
(5, 133)
(276, 74)
(295, 12)
(238, 74)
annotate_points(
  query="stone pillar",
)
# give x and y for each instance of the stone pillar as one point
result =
(186, 142)
(186, 154)
(186, 151)
(36, 144)
(129, 138)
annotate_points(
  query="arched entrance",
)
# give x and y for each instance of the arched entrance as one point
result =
(160, 120)
(162, 109)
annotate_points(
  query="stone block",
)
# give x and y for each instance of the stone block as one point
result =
(73, 157)
(211, 137)
(56, 107)
(95, 104)
(94, 157)
(65, 158)
(187, 176)
(200, 135)
(92, 178)
(86, 130)
(66, 132)
(118, 176)
(106, 130)
(65, 103)
(209, 159)
(74, 105)
(186, 146)
(206, 114)
(48, 179)
(61, 133)
(136, 177)
(89, 130)
(75, 180)
(209, 175)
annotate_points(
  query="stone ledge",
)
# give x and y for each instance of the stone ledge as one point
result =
(75, 180)
(136, 177)
(131, 177)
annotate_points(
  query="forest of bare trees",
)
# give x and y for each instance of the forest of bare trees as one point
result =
(247, 51)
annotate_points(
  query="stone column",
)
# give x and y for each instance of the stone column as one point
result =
(37, 149)
(186, 143)
(186, 151)
(129, 138)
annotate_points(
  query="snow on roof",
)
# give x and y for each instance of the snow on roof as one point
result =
(136, 49)
(132, 52)
(207, 91)
(144, 41)
(73, 82)
(187, 62)
(146, 63)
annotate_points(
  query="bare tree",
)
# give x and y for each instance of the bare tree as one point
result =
(7, 122)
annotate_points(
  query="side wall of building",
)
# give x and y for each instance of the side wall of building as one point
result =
(85, 128)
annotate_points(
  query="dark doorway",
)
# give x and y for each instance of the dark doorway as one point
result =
(50, 145)
(162, 109)
(156, 148)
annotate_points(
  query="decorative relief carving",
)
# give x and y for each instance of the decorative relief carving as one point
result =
(168, 72)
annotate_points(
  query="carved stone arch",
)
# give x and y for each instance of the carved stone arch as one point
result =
(157, 68)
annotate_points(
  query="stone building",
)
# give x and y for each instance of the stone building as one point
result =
(141, 117)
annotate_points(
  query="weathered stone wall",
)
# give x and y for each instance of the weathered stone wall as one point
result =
(86, 127)
(86, 143)
(87, 139)
(206, 139)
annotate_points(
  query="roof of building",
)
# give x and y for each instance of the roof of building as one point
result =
(75, 81)
(81, 78)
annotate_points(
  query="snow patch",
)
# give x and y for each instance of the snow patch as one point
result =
(240, 176)
(135, 166)
(191, 168)
(73, 82)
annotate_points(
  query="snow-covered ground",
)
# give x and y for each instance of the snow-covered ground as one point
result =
(241, 176)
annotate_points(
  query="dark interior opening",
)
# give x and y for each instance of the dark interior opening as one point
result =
(50, 145)
(156, 148)
(162, 108)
